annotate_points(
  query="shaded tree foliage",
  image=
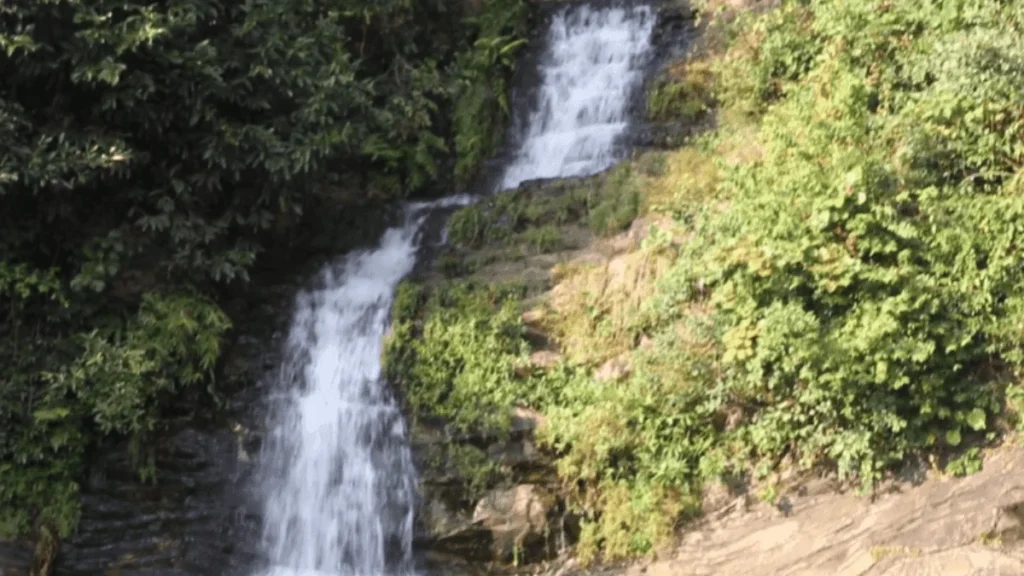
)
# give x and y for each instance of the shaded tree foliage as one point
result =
(146, 148)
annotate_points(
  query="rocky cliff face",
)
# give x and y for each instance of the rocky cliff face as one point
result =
(515, 521)
(925, 523)
(492, 500)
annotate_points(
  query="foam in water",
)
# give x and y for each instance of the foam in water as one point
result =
(340, 481)
(340, 488)
(342, 491)
(593, 64)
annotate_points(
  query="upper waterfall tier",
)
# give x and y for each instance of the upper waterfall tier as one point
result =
(593, 64)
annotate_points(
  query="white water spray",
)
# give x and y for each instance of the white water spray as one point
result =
(340, 484)
(594, 62)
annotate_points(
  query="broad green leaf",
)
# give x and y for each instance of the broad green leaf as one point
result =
(976, 419)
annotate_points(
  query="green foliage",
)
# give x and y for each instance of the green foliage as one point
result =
(766, 53)
(513, 215)
(618, 206)
(175, 341)
(475, 466)
(109, 380)
(846, 305)
(607, 205)
(858, 290)
(635, 451)
(182, 130)
(481, 102)
(542, 240)
(629, 450)
(148, 150)
(1015, 406)
(634, 520)
(965, 464)
(457, 358)
(853, 295)
(470, 226)
(682, 94)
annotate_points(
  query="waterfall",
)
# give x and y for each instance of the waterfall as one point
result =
(593, 64)
(340, 486)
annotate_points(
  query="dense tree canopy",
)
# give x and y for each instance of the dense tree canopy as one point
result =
(148, 146)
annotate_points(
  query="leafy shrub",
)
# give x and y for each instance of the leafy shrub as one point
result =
(149, 151)
(458, 360)
(608, 204)
(469, 226)
(683, 94)
(479, 471)
(618, 205)
(635, 519)
(522, 216)
(113, 385)
(767, 52)
(481, 102)
(844, 280)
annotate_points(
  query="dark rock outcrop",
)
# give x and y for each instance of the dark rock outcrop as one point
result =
(518, 521)
(510, 518)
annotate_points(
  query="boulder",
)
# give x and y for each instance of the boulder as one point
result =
(526, 420)
(517, 520)
(545, 359)
(614, 370)
(15, 558)
(507, 525)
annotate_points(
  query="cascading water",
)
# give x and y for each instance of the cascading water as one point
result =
(594, 62)
(340, 484)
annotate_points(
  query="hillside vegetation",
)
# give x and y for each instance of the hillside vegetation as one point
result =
(840, 283)
(150, 150)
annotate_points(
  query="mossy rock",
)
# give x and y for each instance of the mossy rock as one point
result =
(541, 217)
(683, 93)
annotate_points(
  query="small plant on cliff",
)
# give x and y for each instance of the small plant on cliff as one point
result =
(458, 357)
(481, 104)
(683, 94)
(619, 203)
(543, 239)
(532, 217)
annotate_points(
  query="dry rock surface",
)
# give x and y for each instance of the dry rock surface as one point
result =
(514, 516)
(939, 526)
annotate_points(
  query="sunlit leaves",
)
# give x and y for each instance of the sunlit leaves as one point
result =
(868, 264)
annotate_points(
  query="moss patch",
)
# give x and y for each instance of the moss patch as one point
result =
(682, 93)
(529, 220)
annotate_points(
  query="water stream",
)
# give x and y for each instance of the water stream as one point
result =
(340, 487)
(591, 67)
